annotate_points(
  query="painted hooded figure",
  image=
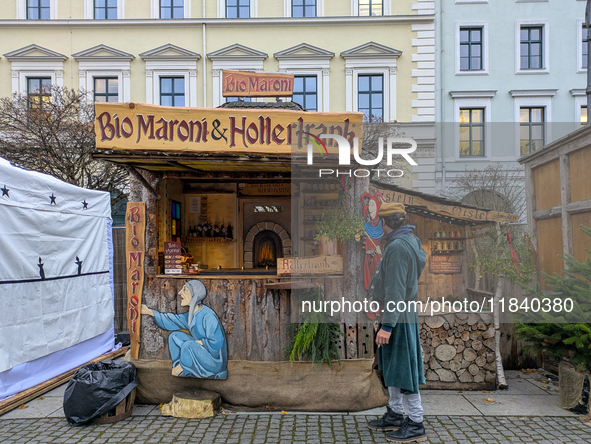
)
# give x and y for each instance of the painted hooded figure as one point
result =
(373, 235)
(197, 343)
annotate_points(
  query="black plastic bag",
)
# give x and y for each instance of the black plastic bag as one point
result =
(96, 389)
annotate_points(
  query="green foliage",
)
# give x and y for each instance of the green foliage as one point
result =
(314, 340)
(340, 221)
(494, 255)
(561, 334)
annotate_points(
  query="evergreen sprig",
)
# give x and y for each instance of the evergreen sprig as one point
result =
(314, 340)
(562, 334)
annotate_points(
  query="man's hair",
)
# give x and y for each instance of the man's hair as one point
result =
(395, 221)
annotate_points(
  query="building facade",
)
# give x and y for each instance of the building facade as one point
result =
(374, 56)
(510, 77)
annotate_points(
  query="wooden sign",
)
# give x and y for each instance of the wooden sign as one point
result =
(266, 189)
(172, 258)
(309, 265)
(142, 127)
(444, 264)
(135, 244)
(256, 84)
(456, 211)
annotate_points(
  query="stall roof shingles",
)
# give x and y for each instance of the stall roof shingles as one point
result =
(428, 205)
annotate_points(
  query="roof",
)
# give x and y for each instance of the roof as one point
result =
(241, 104)
(436, 207)
(573, 141)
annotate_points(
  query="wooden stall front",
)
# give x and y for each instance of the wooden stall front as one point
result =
(214, 198)
(214, 189)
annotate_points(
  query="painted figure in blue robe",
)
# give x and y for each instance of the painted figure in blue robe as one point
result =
(197, 343)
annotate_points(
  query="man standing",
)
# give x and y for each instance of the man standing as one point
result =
(395, 284)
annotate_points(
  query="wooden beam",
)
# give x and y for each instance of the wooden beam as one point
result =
(567, 225)
(582, 206)
(548, 214)
(32, 393)
(135, 173)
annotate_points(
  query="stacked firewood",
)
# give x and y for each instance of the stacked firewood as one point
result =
(458, 347)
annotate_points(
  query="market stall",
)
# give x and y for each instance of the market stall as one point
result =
(220, 210)
(211, 201)
(460, 342)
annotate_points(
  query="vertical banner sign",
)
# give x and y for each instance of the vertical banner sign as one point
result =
(135, 243)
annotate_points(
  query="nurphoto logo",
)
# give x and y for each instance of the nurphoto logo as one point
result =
(393, 148)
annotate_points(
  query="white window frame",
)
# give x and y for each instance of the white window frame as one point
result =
(545, 24)
(386, 8)
(287, 8)
(21, 9)
(580, 98)
(89, 9)
(156, 9)
(159, 74)
(87, 72)
(473, 99)
(372, 71)
(22, 70)
(580, 68)
(459, 2)
(527, 100)
(222, 9)
(312, 67)
(484, 26)
(171, 68)
(384, 66)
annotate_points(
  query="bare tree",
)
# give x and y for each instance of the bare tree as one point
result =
(495, 187)
(373, 131)
(51, 131)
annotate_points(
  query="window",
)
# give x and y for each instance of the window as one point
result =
(371, 7)
(531, 129)
(38, 91)
(305, 92)
(38, 9)
(584, 52)
(583, 115)
(303, 8)
(172, 91)
(471, 132)
(531, 47)
(105, 9)
(237, 8)
(371, 96)
(471, 49)
(172, 9)
(106, 89)
(175, 221)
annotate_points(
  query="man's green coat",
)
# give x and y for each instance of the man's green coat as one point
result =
(396, 280)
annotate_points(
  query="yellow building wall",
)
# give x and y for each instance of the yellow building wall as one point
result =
(137, 36)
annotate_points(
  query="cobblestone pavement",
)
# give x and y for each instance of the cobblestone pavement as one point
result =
(292, 429)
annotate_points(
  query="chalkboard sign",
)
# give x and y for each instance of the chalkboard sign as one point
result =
(444, 265)
(172, 258)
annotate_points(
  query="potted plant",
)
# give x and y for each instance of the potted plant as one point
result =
(339, 223)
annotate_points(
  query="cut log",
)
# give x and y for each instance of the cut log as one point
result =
(193, 404)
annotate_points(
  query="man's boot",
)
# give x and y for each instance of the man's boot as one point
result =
(389, 422)
(410, 431)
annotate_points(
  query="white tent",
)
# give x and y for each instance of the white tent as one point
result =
(56, 286)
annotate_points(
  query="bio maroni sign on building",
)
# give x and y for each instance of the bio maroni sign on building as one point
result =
(256, 84)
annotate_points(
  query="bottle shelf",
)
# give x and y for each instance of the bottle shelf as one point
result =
(190, 240)
(443, 252)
